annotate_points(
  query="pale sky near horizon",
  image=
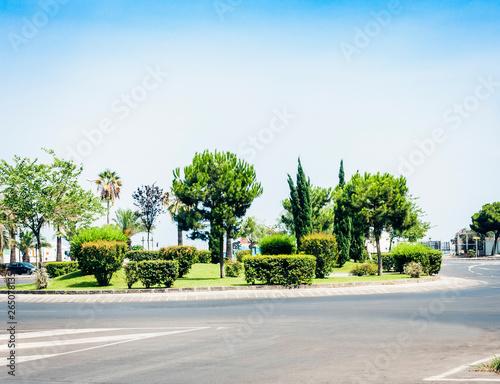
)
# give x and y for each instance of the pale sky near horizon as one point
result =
(409, 87)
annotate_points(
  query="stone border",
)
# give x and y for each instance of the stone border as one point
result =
(220, 289)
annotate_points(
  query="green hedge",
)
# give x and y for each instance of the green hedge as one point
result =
(280, 269)
(324, 248)
(366, 269)
(3, 268)
(142, 255)
(105, 257)
(204, 257)
(241, 254)
(60, 268)
(107, 232)
(131, 273)
(184, 255)
(157, 272)
(277, 245)
(429, 258)
(233, 268)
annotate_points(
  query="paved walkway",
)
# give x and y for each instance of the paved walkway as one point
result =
(441, 284)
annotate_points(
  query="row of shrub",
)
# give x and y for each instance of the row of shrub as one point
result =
(280, 269)
(59, 268)
(184, 255)
(152, 272)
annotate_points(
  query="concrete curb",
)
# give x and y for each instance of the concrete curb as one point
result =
(480, 258)
(220, 289)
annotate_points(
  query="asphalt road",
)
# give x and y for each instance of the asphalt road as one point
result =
(389, 338)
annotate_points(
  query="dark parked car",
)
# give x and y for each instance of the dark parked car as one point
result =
(20, 268)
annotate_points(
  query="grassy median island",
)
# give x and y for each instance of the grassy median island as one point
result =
(200, 275)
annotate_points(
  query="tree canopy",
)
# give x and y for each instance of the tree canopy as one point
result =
(220, 188)
(381, 202)
(39, 194)
(488, 220)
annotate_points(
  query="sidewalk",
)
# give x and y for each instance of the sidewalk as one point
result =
(266, 292)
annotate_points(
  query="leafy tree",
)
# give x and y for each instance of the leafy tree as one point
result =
(39, 194)
(109, 184)
(300, 200)
(129, 222)
(220, 188)
(382, 201)
(488, 220)
(150, 201)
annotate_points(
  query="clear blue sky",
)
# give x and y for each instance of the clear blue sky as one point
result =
(406, 87)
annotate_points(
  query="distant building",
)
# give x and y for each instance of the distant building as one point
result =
(48, 254)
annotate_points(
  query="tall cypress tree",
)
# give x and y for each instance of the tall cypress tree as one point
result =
(300, 197)
(342, 227)
(341, 174)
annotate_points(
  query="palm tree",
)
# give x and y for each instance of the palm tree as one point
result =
(27, 241)
(9, 225)
(177, 210)
(129, 223)
(109, 184)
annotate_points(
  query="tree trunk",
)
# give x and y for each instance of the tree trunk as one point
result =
(494, 249)
(179, 235)
(108, 213)
(379, 254)
(12, 235)
(229, 246)
(148, 240)
(59, 249)
(26, 256)
(221, 256)
(39, 250)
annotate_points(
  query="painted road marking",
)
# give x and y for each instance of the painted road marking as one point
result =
(443, 377)
(108, 340)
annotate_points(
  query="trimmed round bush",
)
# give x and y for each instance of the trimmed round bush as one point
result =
(204, 257)
(184, 255)
(106, 232)
(429, 258)
(366, 269)
(277, 245)
(157, 272)
(105, 258)
(142, 255)
(324, 248)
(60, 268)
(233, 268)
(413, 269)
(280, 269)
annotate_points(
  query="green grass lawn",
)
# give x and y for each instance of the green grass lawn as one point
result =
(200, 275)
